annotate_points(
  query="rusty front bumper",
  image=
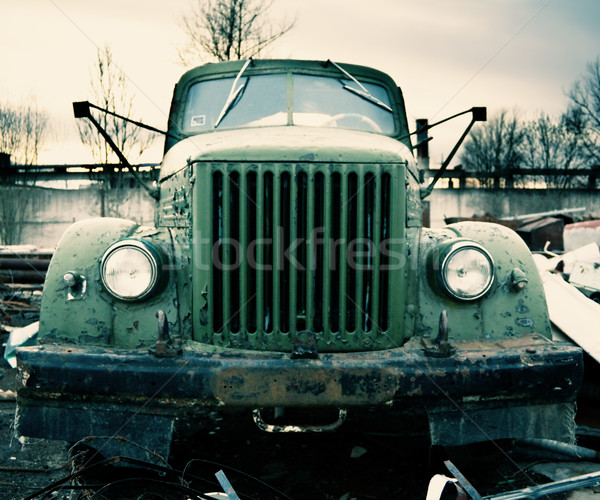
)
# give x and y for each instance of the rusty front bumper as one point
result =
(530, 369)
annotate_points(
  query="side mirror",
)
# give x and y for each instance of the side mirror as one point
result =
(479, 114)
(81, 109)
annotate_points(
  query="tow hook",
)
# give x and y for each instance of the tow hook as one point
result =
(440, 347)
(165, 346)
(274, 428)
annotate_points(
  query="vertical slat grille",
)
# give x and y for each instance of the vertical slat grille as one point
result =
(285, 231)
(336, 253)
(385, 233)
(216, 282)
(299, 248)
(249, 226)
(351, 207)
(301, 262)
(318, 269)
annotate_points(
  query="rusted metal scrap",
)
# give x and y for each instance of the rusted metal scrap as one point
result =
(20, 337)
(573, 483)
(537, 491)
(536, 229)
(570, 310)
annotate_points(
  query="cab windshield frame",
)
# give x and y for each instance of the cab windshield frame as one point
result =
(287, 99)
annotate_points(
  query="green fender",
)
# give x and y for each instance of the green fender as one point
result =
(506, 310)
(86, 314)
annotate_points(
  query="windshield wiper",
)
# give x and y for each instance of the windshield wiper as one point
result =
(233, 94)
(363, 92)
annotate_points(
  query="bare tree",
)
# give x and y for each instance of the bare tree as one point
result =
(494, 147)
(225, 30)
(10, 130)
(110, 91)
(585, 97)
(555, 145)
(23, 131)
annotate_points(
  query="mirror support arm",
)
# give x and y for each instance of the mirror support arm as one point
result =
(82, 110)
(478, 115)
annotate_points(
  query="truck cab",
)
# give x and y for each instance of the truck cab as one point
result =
(289, 269)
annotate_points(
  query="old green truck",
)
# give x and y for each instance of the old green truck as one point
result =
(289, 280)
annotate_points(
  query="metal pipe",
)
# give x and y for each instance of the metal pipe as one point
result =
(567, 449)
(23, 263)
(572, 483)
(22, 276)
(560, 211)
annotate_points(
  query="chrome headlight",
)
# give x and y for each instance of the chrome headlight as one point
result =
(131, 270)
(466, 270)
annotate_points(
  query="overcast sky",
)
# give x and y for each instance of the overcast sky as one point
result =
(446, 55)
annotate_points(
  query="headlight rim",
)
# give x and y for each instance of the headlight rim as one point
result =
(153, 255)
(447, 253)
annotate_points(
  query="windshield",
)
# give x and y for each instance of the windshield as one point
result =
(281, 99)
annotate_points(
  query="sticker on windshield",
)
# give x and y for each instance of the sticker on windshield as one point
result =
(198, 121)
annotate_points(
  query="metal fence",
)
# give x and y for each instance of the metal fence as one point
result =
(517, 178)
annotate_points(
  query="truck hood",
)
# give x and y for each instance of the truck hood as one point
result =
(285, 144)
